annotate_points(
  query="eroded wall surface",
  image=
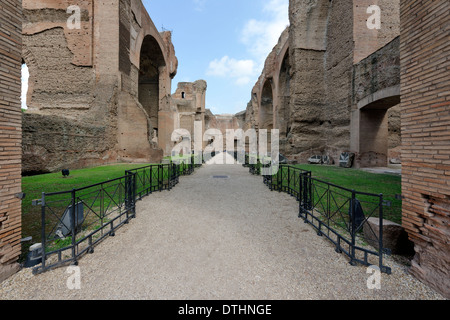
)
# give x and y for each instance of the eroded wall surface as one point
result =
(375, 131)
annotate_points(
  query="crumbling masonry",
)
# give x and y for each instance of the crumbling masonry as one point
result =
(98, 94)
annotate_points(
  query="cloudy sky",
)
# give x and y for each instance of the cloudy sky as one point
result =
(224, 42)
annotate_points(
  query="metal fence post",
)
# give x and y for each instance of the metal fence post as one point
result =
(299, 196)
(310, 189)
(305, 192)
(289, 181)
(159, 178)
(74, 223)
(380, 240)
(353, 228)
(127, 192)
(134, 192)
(44, 240)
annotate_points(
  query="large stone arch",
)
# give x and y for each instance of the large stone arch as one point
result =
(268, 108)
(151, 63)
(282, 111)
(376, 87)
(266, 105)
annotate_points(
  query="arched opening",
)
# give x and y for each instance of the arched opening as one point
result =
(266, 110)
(283, 110)
(375, 128)
(150, 64)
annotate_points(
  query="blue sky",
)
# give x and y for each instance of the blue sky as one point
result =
(224, 42)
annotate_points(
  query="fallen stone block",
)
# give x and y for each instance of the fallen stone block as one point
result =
(395, 237)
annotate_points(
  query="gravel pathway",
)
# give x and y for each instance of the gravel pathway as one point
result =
(216, 238)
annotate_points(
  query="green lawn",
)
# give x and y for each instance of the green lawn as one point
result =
(332, 200)
(387, 184)
(33, 186)
(355, 179)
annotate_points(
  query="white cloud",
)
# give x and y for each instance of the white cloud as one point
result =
(25, 77)
(240, 70)
(260, 36)
(199, 5)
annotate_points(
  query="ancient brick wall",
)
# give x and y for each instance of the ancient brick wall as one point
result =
(87, 80)
(426, 137)
(10, 135)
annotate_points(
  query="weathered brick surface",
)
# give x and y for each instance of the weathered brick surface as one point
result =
(426, 137)
(10, 134)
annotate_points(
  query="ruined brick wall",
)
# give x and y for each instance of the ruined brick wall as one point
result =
(10, 135)
(426, 137)
(86, 83)
(70, 121)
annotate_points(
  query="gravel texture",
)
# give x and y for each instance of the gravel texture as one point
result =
(216, 238)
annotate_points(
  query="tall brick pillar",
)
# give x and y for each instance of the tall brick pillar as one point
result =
(10, 135)
(425, 103)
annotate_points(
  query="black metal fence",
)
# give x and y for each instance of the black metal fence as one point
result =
(73, 222)
(351, 220)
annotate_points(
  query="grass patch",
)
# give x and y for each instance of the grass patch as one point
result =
(387, 184)
(355, 179)
(33, 186)
(352, 179)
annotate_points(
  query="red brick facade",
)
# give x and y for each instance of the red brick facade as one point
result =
(425, 95)
(10, 134)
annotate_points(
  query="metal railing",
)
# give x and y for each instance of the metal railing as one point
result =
(351, 220)
(73, 222)
(151, 178)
